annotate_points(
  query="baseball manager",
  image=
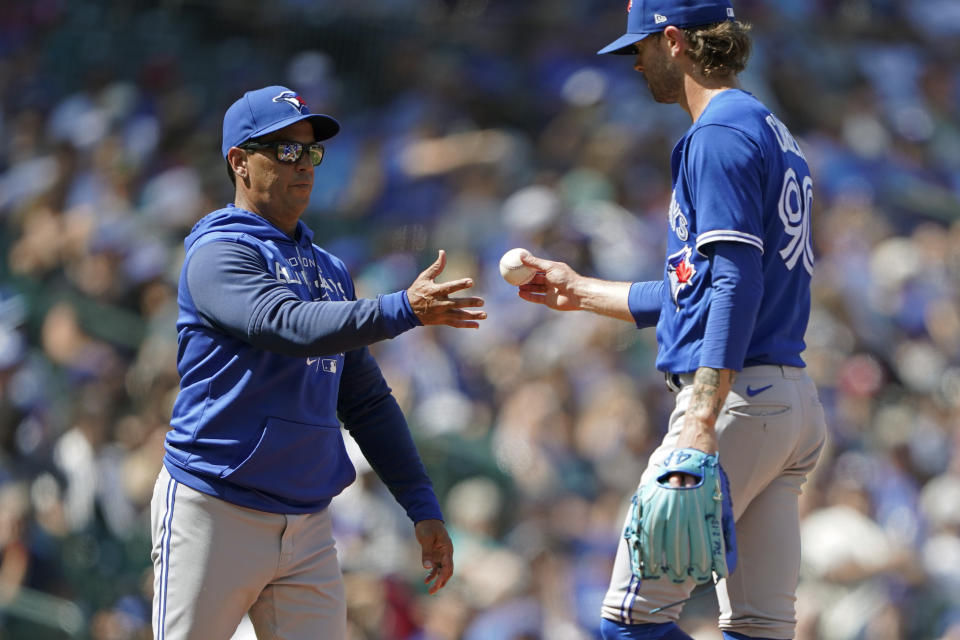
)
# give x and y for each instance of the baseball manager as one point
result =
(273, 358)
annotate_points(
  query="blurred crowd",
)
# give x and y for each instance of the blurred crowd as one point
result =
(472, 126)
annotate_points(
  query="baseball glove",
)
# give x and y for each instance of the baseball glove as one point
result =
(683, 532)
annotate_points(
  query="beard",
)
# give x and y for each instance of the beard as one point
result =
(664, 80)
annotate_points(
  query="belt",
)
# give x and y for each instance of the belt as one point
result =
(677, 381)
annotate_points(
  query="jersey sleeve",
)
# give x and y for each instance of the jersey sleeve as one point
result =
(645, 301)
(373, 418)
(724, 168)
(234, 293)
(737, 283)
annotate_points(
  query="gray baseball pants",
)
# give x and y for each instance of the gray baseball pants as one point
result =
(771, 431)
(214, 561)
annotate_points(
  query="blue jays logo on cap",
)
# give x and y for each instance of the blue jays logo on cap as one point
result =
(645, 17)
(293, 100)
(266, 110)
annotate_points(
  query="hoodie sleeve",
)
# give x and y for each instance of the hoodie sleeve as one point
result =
(372, 416)
(234, 293)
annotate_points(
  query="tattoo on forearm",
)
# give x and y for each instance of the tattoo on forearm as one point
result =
(707, 399)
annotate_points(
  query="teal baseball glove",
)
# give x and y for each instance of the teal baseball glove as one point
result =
(683, 532)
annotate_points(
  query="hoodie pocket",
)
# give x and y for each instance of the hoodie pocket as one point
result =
(302, 462)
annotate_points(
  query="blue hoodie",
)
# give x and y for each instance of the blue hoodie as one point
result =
(272, 357)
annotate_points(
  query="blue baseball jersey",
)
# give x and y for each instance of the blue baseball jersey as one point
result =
(738, 176)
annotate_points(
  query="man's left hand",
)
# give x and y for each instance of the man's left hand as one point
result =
(683, 532)
(431, 300)
(437, 552)
(707, 398)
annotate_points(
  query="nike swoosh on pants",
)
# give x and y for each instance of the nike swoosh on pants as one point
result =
(752, 392)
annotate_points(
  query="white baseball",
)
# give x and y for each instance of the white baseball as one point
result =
(513, 270)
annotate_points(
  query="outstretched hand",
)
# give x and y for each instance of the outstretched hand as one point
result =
(431, 300)
(437, 553)
(554, 285)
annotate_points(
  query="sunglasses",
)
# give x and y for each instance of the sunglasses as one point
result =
(289, 152)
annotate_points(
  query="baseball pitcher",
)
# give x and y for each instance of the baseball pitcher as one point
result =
(730, 315)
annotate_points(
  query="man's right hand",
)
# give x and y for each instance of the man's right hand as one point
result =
(554, 285)
(432, 304)
(558, 286)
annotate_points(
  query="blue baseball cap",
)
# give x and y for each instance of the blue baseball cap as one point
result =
(266, 110)
(645, 17)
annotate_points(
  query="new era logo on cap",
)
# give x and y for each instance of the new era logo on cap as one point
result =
(653, 16)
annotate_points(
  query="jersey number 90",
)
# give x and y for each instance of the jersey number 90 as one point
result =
(796, 202)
